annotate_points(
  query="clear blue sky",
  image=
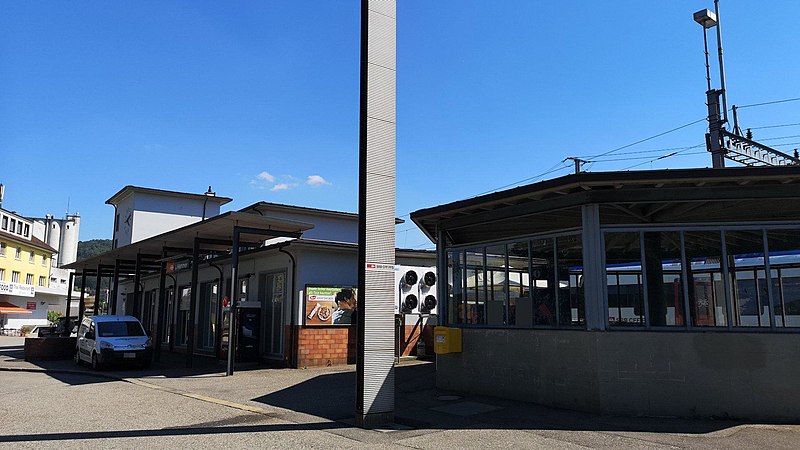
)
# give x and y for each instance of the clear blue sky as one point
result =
(185, 94)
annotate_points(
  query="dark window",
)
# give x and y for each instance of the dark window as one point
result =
(662, 262)
(119, 329)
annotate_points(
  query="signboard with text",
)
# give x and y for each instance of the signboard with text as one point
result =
(330, 306)
(21, 290)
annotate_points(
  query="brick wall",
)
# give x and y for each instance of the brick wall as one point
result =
(334, 346)
(326, 346)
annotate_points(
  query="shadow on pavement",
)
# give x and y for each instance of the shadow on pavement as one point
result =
(186, 431)
(418, 404)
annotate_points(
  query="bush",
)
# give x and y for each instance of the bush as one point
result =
(52, 316)
(25, 330)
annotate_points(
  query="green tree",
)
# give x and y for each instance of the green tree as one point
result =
(87, 249)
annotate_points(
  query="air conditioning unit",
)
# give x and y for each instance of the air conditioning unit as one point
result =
(416, 290)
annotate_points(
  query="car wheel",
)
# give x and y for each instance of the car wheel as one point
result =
(95, 362)
(78, 360)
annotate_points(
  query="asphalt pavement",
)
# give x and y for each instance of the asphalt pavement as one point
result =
(58, 405)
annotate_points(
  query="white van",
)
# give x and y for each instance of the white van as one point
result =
(106, 339)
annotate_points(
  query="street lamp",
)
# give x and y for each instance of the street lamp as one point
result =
(708, 19)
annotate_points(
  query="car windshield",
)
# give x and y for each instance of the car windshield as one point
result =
(117, 329)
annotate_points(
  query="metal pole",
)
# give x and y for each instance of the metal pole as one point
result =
(721, 65)
(137, 292)
(708, 67)
(98, 280)
(81, 304)
(115, 290)
(234, 301)
(67, 319)
(192, 303)
(162, 304)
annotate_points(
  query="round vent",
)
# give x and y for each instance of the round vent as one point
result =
(410, 302)
(429, 279)
(410, 278)
(429, 303)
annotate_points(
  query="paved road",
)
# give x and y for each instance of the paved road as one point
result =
(312, 409)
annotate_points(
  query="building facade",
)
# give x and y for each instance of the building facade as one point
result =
(648, 293)
(25, 262)
(295, 290)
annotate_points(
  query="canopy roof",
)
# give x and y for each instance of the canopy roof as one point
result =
(217, 231)
(8, 308)
(734, 194)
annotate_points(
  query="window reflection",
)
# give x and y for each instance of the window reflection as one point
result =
(543, 283)
(745, 255)
(706, 291)
(624, 279)
(570, 280)
(496, 285)
(784, 260)
(662, 261)
(476, 287)
(520, 311)
(455, 309)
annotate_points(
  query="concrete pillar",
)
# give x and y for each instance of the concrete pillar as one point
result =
(593, 269)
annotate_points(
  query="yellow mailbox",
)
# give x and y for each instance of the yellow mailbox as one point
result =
(446, 340)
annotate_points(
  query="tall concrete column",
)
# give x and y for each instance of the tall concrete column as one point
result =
(376, 209)
(593, 274)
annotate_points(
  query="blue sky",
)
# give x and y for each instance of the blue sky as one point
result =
(260, 99)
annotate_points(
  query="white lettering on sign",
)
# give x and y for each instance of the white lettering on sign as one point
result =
(22, 290)
(381, 267)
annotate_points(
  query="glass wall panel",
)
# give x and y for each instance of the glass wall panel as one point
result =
(662, 265)
(784, 257)
(182, 321)
(476, 287)
(570, 281)
(455, 283)
(624, 279)
(706, 290)
(543, 283)
(520, 308)
(745, 257)
(496, 285)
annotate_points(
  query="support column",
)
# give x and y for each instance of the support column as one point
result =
(137, 278)
(162, 312)
(67, 320)
(234, 302)
(81, 304)
(376, 214)
(98, 281)
(593, 273)
(192, 303)
(115, 291)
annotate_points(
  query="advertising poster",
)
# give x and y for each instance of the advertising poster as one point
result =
(330, 306)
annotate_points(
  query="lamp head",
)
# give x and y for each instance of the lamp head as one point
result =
(705, 18)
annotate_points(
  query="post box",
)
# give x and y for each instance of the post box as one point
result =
(446, 340)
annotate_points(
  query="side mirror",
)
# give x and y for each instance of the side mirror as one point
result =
(88, 335)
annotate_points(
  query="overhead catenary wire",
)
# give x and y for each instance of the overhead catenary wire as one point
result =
(774, 102)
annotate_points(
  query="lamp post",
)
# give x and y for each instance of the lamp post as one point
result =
(708, 19)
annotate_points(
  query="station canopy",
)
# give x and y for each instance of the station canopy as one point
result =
(217, 233)
(733, 195)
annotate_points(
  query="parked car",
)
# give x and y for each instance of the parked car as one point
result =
(103, 340)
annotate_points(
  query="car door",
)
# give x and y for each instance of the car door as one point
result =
(90, 341)
(81, 340)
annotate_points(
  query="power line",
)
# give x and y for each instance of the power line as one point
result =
(649, 138)
(774, 126)
(786, 100)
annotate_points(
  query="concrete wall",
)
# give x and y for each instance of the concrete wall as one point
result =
(687, 374)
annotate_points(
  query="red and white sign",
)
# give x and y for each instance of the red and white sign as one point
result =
(31, 305)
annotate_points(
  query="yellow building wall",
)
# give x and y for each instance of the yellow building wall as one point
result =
(23, 265)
